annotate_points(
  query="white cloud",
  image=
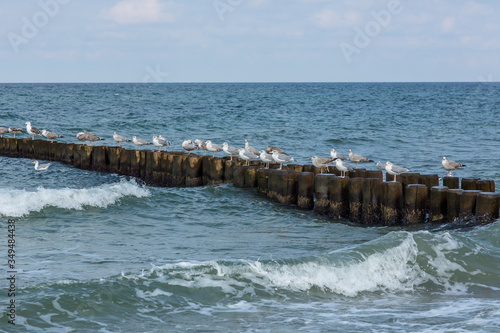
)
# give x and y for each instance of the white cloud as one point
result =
(140, 11)
(448, 24)
(329, 19)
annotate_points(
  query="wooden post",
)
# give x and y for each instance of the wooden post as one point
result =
(374, 174)
(451, 182)
(391, 194)
(150, 164)
(262, 180)
(469, 184)
(485, 185)
(453, 203)
(194, 170)
(468, 204)
(250, 176)
(228, 169)
(357, 173)
(487, 207)
(25, 149)
(355, 190)
(295, 167)
(370, 210)
(408, 178)
(438, 204)
(321, 185)
(114, 159)
(415, 203)
(305, 191)
(134, 157)
(338, 196)
(124, 163)
(38, 149)
(179, 170)
(216, 170)
(239, 176)
(287, 187)
(272, 187)
(100, 159)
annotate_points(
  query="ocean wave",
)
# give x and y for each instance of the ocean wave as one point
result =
(18, 203)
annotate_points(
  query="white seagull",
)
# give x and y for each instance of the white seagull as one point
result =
(201, 145)
(51, 136)
(450, 165)
(357, 158)
(334, 154)
(247, 155)
(91, 137)
(3, 131)
(229, 150)
(270, 149)
(32, 130)
(281, 158)
(120, 139)
(321, 163)
(189, 145)
(213, 148)
(40, 167)
(160, 141)
(140, 142)
(266, 158)
(394, 169)
(250, 148)
(342, 166)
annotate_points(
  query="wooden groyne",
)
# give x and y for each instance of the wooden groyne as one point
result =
(361, 197)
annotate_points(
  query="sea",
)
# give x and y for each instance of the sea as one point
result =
(100, 252)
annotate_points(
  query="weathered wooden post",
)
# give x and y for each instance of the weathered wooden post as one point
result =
(100, 159)
(370, 210)
(355, 198)
(114, 159)
(415, 203)
(487, 207)
(338, 197)
(150, 164)
(134, 156)
(468, 204)
(25, 148)
(469, 184)
(407, 179)
(239, 176)
(374, 174)
(179, 170)
(485, 185)
(250, 175)
(287, 187)
(305, 191)
(391, 195)
(216, 170)
(429, 181)
(228, 169)
(262, 180)
(194, 176)
(11, 147)
(453, 203)
(272, 184)
(321, 199)
(295, 167)
(124, 163)
(164, 166)
(357, 173)
(38, 149)
(67, 153)
(451, 182)
(438, 204)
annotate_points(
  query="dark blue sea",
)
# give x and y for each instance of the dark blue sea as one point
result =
(98, 252)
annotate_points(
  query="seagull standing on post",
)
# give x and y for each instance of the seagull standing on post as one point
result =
(394, 170)
(32, 130)
(450, 165)
(357, 158)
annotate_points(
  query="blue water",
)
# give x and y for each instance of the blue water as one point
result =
(102, 252)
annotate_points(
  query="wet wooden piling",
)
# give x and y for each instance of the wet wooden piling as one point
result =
(415, 203)
(287, 187)
(262, 180)
(272, 187)
(469, 184)
(453, 198)
(321, 199)
(370, 208)
(250, 176)
(485, 185)
(451, 182)
(438, 204)
(338, 197)
(468, 204)
(305, 191)
(391, 194)
(355, 196)
(239, 176)
(487, 207)
(194, 171)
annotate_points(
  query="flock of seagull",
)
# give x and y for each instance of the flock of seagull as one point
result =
(271, 154)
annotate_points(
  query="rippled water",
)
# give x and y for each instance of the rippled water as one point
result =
(101, 252)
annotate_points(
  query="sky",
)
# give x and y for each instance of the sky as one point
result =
(249, 40)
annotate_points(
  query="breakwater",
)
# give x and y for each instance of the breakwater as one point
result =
(362, 197)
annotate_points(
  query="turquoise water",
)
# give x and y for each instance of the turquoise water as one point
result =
(101, 252)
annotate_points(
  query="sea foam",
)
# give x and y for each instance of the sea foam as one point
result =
(18, 203)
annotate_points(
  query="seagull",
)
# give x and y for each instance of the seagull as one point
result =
(321, 163)
(247, 155)
(230, 150)
(32, 130)
(270, 149)
(250, 148)
(380, 166)
(15, 130)
(40, 167)
(342, 166)
(120, 139)
(334, 154)
(266, 158)
(81, 137)
(212, 147)
(3, 131)
(189, 145)
(394, 169)
(357, 158)
(201, 145)
(160, 141)
(281, 158)
(450, 165)
(91, 137)
(51, 136)
(140, 142)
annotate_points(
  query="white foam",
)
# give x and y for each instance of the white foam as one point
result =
(18, 203)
